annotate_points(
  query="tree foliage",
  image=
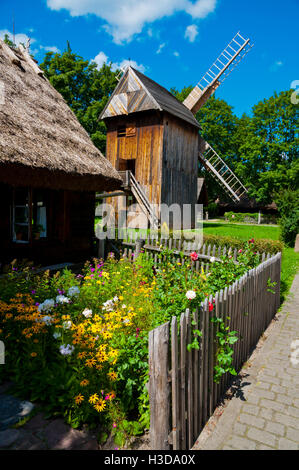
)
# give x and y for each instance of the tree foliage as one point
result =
(85, 88)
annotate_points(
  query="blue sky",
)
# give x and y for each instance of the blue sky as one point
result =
(172, 41)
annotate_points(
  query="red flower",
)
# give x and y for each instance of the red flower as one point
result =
(194, 256)
(211, 306)
(251, 241)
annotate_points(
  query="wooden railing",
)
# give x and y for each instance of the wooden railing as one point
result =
(182, 391)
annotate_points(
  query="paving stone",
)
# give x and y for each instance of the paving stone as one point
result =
(293, 434)
(259, 392)
(266, 413)
(252, 420)
(251, 409)
(241, 443)
(273, 405)
(262, 436)
(285, 399)
(264, 447)
(240, 429)
(275, 428)
(287, 420)
(286, 444)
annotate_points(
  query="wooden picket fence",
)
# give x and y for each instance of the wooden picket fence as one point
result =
(182, 391)
(153, 247)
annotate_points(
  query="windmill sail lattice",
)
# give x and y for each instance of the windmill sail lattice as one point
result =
(229, 58)
(218, 168)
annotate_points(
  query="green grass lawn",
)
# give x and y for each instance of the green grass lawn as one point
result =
(241, 231)
(290, 259)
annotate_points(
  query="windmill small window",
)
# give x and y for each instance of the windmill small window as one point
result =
(121, 131)
(126, 131)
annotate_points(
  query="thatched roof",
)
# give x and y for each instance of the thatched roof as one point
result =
(41, 141)
(136, 93)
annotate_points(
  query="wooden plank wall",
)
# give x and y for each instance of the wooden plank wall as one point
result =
(180, 162)
(146, 147)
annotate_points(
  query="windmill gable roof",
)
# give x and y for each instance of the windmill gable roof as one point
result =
(137, 92)
(38, 131)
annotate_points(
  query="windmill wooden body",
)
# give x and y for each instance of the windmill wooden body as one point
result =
(153, 139)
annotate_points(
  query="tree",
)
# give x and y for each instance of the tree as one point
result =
(85, 88)
(268, 147)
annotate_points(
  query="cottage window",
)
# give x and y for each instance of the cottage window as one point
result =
(39, 215)
(29, 215)
(21, 215)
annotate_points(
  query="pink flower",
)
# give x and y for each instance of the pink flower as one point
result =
(240, 251)
(194, 256)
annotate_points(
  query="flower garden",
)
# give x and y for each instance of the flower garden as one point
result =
(78, 343)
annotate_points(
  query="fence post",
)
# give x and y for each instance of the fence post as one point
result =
(159, 387)
(138, 247)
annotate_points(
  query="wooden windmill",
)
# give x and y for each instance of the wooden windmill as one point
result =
(153, 139)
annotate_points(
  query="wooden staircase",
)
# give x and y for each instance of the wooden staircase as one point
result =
(131, 185)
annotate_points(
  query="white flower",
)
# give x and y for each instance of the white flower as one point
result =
(74, 290)
(108, 305)
(212, 259)
(62, 299)
(67, 325)
(190, 294)
(47, 319)
(87, 313)
(123, 306)
(56, 335)
(46, 306)
(66, 350)
(115, 299)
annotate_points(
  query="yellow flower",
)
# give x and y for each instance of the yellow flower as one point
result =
(84, 383)
(100, 405)
(90, 362)
(79, 398)
(93, 398)
(112, 375)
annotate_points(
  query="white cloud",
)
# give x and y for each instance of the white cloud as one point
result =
(191, 32)
(101, 58)
(202, 8)
(124, 19)
(159, 50)
(51, 49)
(20, 38)
(176, 53)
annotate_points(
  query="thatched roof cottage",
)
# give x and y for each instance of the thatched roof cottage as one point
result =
(49, 168)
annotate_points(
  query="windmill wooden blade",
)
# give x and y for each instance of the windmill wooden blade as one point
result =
(229, 58)
(219, 169)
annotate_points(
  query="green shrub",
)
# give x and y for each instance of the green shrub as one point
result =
(261, 245)
(288, 207)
